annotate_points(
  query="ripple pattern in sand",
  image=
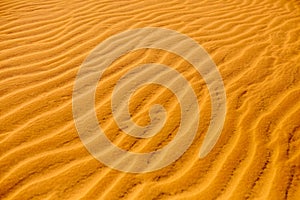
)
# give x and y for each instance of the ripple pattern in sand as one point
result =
(255, 45)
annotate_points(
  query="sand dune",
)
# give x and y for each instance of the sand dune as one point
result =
(255, 45)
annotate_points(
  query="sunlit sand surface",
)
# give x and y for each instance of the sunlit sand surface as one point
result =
(255, 45)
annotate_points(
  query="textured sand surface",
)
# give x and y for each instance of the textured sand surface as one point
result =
(256, 46)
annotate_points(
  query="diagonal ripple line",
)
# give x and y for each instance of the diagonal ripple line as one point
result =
(91, 70)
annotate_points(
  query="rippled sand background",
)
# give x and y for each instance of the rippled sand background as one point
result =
(256, 46)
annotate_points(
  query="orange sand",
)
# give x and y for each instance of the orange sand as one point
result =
(256, 46)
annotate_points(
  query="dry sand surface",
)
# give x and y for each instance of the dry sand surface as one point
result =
(256, 47)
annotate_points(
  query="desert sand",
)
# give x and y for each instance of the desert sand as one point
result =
(255, 46)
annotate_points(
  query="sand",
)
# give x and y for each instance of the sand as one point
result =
(255, 46)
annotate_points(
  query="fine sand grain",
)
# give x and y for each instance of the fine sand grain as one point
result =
(256, 47)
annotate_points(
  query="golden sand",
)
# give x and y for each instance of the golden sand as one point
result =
(256, 47)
